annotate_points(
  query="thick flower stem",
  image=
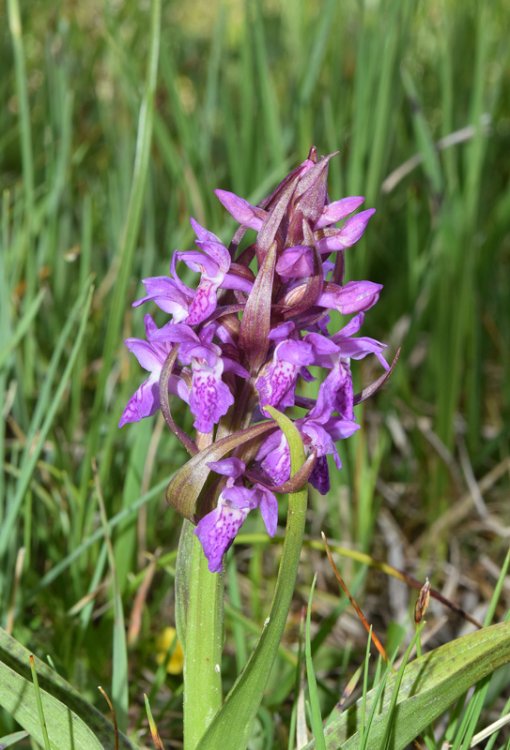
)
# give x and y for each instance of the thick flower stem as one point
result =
(231, 727)
(203, 639)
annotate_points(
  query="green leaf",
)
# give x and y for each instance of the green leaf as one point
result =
(231, 726)
(428, 686)
(22, 328)
(185, 487)
(8, 740)
(315, 709)
(71, 722)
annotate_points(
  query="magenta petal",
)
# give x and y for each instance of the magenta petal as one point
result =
(200, 263)
(274, 458)
(203, 234)
(358, 348)
(319, 478)
(348, 235)
(239, 283)
(143, 403)
(217, 530)
(169, 296)
(145, 354)
(219, 254)
(242, 211)
(176, 333)
(230, 365)
(228, 467)
(335, 394)
(340, 429)
(321, 345)
(339, 210)
(268, 509)
(351, 328)
(282, 331)
(354, 297)
(296, 262)
(296, 352)
(358, 296)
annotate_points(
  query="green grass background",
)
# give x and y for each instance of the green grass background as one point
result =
(243, 91)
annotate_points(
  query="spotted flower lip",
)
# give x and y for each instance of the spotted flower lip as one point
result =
(254, 327)
(218, 529)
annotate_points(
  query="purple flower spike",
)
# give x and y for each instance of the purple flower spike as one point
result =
(253, 328)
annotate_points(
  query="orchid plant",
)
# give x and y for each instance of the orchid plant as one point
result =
(237, 349)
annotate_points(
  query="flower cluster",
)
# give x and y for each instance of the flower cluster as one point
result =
(246, 336)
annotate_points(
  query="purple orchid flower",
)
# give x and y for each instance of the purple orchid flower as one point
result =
(241, 339)
(218, 529)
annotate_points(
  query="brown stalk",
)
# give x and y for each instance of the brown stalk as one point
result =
(375, 640)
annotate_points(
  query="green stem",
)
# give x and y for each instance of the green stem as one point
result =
(203, 637)
(231, 726)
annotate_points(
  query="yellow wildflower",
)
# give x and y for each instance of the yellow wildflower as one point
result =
(167, 644)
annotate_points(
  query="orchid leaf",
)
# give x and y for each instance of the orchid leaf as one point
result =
(185, 487)
(71, 722)
(429, 685)
(231, 726)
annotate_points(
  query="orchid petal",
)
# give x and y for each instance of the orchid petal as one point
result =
(228, 467)
(339, 210)
(348, 235)
(143, 403)
(217, 530)
(242, 211)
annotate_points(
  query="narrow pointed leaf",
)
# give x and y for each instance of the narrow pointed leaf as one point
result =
(70, 720)
(185, 487)
(231, 726)
(429, 686)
